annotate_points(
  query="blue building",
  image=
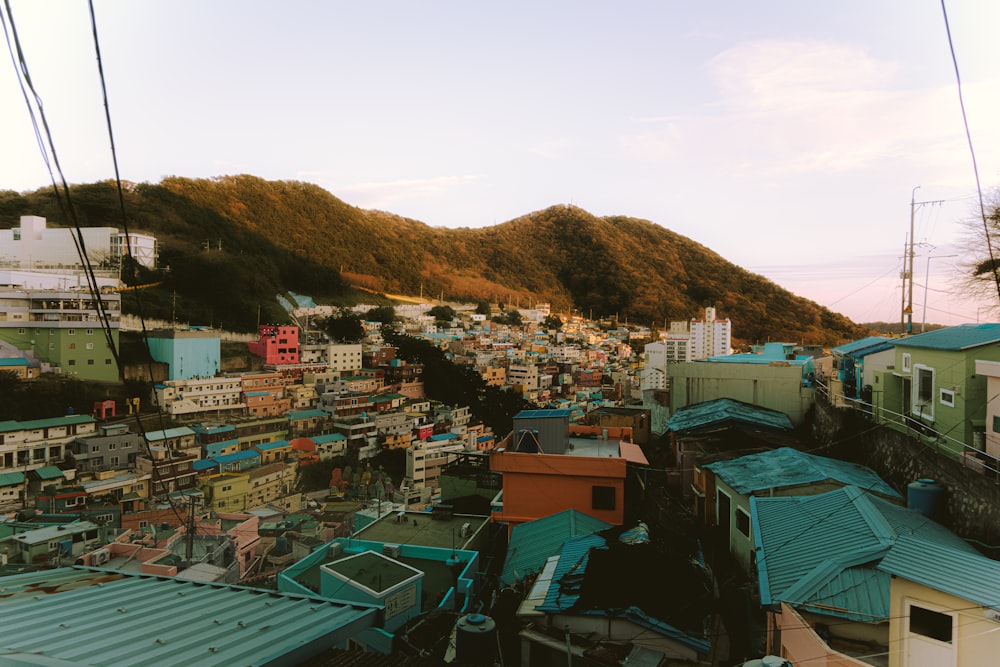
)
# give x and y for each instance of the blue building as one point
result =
(189, 353)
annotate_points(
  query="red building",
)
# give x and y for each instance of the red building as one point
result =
(277, 344)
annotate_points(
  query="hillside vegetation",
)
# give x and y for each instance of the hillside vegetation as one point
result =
(230, 244)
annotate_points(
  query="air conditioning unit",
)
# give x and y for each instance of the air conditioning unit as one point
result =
(391, 550)
(100, 557)
(334, 550)
(465, 530)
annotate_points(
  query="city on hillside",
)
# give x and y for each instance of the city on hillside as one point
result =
(484, 484)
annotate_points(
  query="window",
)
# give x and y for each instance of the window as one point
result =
(112, 445)
(923, 397)
(72, 346)
(71, 332)
(602, 497)
(948, 398)
(996, 424)
(71, 362)
(906, 362)
(90, 362)
(20, 331)
(930, 623)
(144, 524)
(90, 332)
(743, 522)
(90, 346)
(114, 461)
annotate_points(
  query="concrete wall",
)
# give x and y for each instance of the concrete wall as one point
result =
(971, 505)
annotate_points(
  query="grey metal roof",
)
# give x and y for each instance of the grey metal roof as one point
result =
(820, 552)
(87, 616)
(960, 337)
(727, 412)
(786, 466)
(533, 542)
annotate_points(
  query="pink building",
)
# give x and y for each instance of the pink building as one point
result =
(277, 344)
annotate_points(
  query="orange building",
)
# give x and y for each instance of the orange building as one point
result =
(545, 470)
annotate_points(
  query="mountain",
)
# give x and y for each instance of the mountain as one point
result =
(232, 243)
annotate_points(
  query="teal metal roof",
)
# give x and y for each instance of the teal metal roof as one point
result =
(568, 575)
(49, 472)
(11, 478)
(52, 422)
(959, 572)
(277, 444)
(960, 337)
(86, 616)
(329, 437)
(177, 432)
(863, 347)
(789, 467)
(13, 361)
(727, 412)
(542, 414)
(306, 414)
(533, 542)
(821, 552)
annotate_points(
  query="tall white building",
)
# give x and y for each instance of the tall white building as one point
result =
(35, 245)
(710, 337)
(344, 357)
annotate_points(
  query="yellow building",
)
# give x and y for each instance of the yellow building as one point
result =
(225, 491)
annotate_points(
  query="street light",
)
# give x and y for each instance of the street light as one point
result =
(927, 277)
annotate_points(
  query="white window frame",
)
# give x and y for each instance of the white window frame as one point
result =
(906, 362)
(946, 397)
(923, 410)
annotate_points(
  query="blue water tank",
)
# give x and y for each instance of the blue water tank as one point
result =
(926, 496)
(475, 639)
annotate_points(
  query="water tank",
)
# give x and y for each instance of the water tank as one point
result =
(475, 639)
(926, 496)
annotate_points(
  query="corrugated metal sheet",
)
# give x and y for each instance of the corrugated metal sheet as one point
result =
(726, 411)
(821, 552)
(966, 575)
(90, 617)
(865, 346)
(566, 580)
(790, 467)
(960, 337)
(533, 542)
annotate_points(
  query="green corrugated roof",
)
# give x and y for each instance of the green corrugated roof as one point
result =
(48, 472)
(820, 552)
(960, 337)
(789, 467)
(532, 542)
(145, 620)
(727, 412)
(51, 422)
(11, 478)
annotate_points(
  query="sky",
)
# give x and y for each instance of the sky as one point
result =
(795, 139)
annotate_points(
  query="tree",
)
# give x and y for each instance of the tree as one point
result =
(483, 308)
(981, 275)
(344, 327)
(442, 313)
(552, 322)
(383, 314)
(509, 317)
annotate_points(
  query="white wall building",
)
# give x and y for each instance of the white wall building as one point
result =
(344, 358)
(35, 245)
(710, 337)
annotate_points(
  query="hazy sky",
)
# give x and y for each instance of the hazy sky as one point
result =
(786, 136)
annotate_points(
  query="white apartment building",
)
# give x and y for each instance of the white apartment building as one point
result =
(35, 245)
(710, 337)
(425, 458)
(186, 398)
(344, 358)
(28, 445)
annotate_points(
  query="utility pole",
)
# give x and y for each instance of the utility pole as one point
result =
(908, 261)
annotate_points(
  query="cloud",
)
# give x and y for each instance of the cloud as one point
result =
(552, 149)
(788, 107)
(383, 194)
